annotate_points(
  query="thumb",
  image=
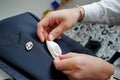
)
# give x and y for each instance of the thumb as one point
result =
(67, 55)
(56, 32)
(64, 62)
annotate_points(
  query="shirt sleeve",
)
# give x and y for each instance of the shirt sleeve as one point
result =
(104, 11)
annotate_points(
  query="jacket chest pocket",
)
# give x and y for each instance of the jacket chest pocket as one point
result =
(9, 39)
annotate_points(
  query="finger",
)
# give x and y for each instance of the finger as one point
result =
(58, 30)
(70, 77)
(67, 55)
(40, 32)
(65, 64)
(41, 28)
(67, 72)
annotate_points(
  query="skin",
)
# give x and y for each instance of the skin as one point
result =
(83, 67)
(56, 22)
(75, 66)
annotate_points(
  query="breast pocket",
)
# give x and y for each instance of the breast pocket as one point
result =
(9, 38)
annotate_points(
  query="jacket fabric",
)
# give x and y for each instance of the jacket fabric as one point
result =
(36, 63)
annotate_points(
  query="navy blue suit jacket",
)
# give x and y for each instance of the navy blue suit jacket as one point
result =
(37, 63)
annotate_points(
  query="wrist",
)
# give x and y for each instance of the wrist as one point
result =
(81, 13)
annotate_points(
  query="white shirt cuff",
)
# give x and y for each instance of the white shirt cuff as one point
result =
(93, 13)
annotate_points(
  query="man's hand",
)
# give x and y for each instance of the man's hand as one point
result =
(83, 67)
(56, 22)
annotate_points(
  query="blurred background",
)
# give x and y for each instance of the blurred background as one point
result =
(14, 7)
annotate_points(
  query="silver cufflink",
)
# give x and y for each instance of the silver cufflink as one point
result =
(29, 45)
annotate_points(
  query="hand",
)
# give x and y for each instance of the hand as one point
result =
(83, 67)
(56, 22)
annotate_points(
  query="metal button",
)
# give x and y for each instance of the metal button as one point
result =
(29, 45)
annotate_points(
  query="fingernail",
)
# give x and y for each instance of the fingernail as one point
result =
(51, 37)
